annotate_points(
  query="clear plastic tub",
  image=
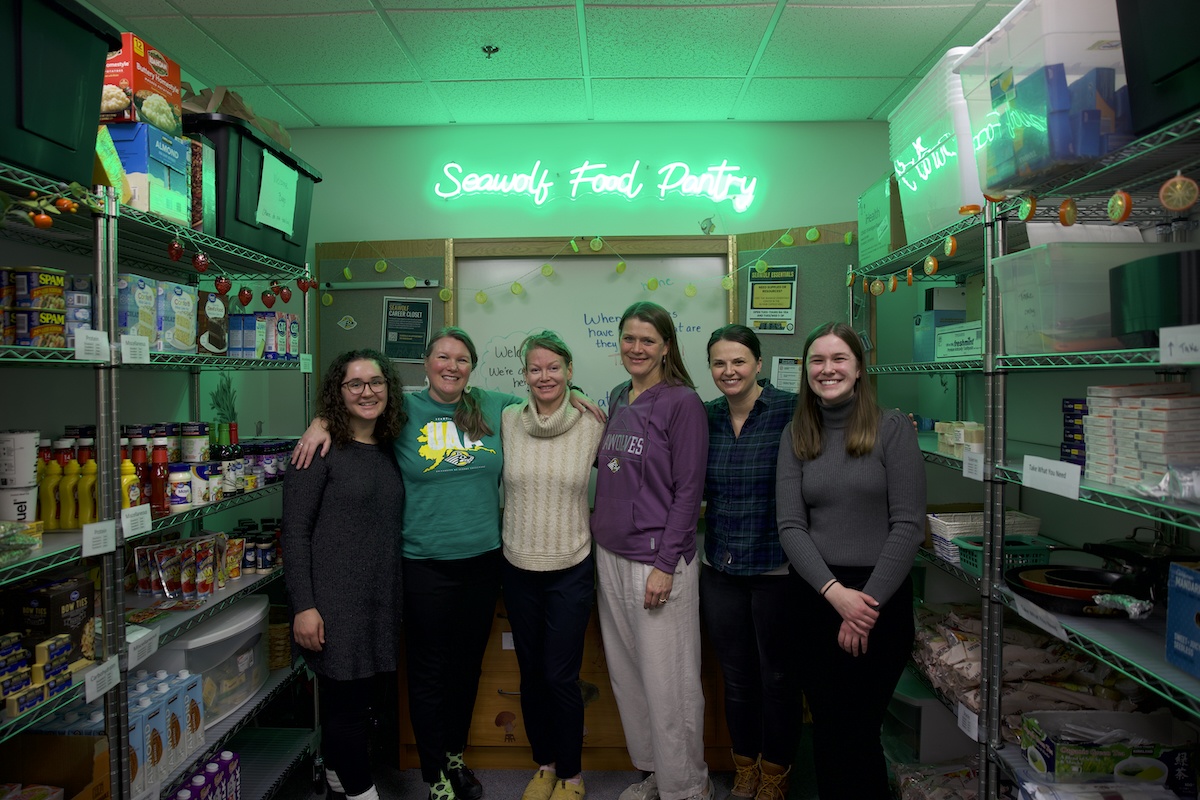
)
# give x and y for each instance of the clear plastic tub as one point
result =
(1055, 298)
(1045, 91)
(933, 152)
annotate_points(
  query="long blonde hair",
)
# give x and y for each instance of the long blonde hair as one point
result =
(468, 414)
(863, 425)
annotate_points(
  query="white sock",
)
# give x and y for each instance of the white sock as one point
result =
(369, 794)
(334, 783)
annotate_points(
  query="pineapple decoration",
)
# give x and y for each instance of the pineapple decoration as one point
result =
(223, 400)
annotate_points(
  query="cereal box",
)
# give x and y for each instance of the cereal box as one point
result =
(141, 85)
(137, 306)
(176, 318)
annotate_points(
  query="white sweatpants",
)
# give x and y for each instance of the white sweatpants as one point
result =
(654, 664)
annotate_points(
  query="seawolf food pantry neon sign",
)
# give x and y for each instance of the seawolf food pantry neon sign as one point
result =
(719, 183)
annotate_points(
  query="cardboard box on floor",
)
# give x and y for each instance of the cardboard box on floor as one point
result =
(78, 764)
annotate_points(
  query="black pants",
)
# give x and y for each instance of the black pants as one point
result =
(549, 613)
(346, 720)
(848, 695)
(448, 610)
(751, 623)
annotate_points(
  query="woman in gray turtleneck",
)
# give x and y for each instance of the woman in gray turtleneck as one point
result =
(850, 506)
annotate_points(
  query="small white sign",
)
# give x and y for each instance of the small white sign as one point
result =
(135, 521)
(786, 373)
(143, 647)
(306, 363)
(99, 538)
(968, 722)
(101, 679)
(1038, 616)
(973, 465)
(91, 346)
(1179, 345)
(506, 641)
(134, 349)
(1056, 477)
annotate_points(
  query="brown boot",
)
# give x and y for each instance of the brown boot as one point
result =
(747, 778)
(774, 781)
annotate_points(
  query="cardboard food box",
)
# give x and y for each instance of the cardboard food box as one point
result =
(63, 606)
(137, 306)
(957, 342)
(880, 221)
(77, 764)
(141, 85)
(176, 318)
(924, 326)
(202, 174)
(1183, 605)
(156, 165)
(1166, 760)
(213, 323)
(293, 349)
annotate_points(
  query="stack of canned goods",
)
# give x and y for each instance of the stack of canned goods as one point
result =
(34, 307)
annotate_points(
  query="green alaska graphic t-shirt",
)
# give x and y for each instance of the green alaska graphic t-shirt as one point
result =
(451, 483)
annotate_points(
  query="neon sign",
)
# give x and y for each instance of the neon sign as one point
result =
(928, 159)
(718, 183)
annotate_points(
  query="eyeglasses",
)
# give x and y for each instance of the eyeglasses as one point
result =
(356, 386)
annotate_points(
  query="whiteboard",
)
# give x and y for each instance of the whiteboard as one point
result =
(583, 301)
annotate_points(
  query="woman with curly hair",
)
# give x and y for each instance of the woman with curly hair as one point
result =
(341, 530)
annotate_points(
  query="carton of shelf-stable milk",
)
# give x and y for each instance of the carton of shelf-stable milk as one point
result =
(176, 318)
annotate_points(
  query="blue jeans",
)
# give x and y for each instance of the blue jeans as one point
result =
(751, 622)
(549, 613)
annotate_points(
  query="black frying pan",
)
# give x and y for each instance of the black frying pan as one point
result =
(1046, 597)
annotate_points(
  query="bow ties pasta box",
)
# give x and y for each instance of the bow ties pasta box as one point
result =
(176, 330)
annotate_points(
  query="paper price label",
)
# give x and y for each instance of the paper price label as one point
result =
(1038, 616)
(306, 362)
(91, 346)
(99, 538)
(968, 722)
(135, 349)
(135, 521)
(1179, 344)
(973, 466)
(101, 679)
(1055, 477)
(143, 648)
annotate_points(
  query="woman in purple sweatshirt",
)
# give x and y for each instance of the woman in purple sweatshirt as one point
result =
(652, 462)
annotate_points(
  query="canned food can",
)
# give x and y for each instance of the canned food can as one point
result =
(39, 287)
(195, 442)
(202, 483)
(18, 459)
(39, 327)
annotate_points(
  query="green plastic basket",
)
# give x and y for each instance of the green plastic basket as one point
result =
(1019, 551)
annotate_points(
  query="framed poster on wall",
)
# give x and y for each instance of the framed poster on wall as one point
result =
(406, 322)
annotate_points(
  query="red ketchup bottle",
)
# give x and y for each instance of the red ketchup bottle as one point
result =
(140, 456)
(160, 471)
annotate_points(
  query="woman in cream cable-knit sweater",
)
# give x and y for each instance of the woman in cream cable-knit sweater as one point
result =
(549, 449)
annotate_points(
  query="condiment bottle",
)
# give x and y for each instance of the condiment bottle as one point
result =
(224, 453)
(84, 449)
(48, 496)
(87, 494)
(124, 448)
(250, 557)
(131, 487)
(68, 501)
(140, 456)
(239, 458)
(45, 456)
(64, 451)
(160, 501)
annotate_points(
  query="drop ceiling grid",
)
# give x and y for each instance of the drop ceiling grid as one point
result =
(267, 102)
(194, 50)
(814, 99)
(367, 105)
(514, 102)
(663, 99)
(533, 42)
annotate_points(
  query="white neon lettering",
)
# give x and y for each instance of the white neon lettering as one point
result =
(601, 182)
(714, 182)
(480, 182)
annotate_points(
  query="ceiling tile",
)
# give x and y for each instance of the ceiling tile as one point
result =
(693, 41)
(269, 7)
(896, 98)
(533, 42)
(505, 102)
(853, 41)
(663, 100)
(187, 45)
(814, 100)
(679, 3)
(338, 48)
(367, 104)
(127, 8)
(267, 102)
(451, 5)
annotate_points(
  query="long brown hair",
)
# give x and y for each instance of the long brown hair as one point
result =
(333, 405)
(673, 371)
(468, 414)
(863, 425)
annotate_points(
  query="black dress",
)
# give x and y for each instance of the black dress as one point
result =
(341, 543)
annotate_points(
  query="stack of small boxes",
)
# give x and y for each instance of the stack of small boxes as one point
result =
(956, 438)
(78, 299)
(52, 672)
(219, 779)
(1132, 433)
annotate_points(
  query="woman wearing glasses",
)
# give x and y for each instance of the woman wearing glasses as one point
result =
(341, 524)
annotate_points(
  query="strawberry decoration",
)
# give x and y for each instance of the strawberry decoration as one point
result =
(275, 286)
(224, 285)
(303, 284)
(175, 250)
(285, 293)
(245, 296)
(268, 299)
(200, 262)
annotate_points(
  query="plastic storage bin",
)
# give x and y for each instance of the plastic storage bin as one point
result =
(230, 651)
(933, 152)
(1055, 298)
(240, 149)
(50, 98)
(1045, 91)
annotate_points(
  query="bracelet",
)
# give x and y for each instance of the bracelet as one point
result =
(830, 586)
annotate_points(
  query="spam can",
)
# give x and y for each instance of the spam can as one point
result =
(8, 292)
(39, 287)
(40, 327)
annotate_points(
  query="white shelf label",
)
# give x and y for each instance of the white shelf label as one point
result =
(506, 641)
(1179, 344)
(135, 349)
(1056, 477)
(973, 466)
(91, 346)
(101, 679)
(143, 647)
(135, 521)
(99, 538)
(306, 362)
(968, 722)
(1038, 616)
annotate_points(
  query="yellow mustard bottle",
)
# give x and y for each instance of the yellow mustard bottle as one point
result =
(131, 488)
(68, 500)
(87, 494)
(48, 496)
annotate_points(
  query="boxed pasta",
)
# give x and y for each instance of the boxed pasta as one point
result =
(176, 318)
(141, 85)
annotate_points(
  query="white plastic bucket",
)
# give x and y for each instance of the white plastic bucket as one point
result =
(18, 504)
(18, 458)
